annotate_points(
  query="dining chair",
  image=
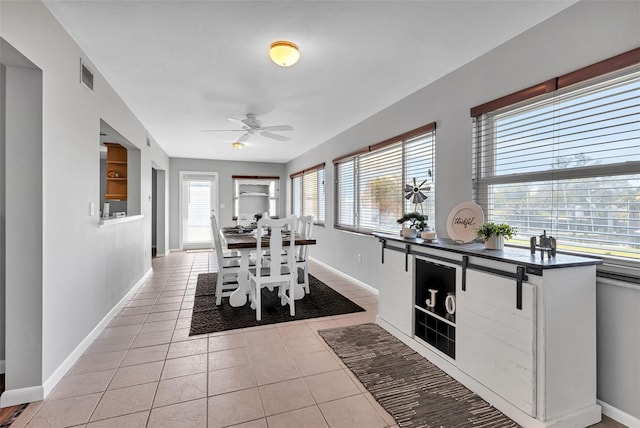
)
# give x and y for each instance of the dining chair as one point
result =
(228, 267)
(281, 275)
(305, 228)
(222, 247)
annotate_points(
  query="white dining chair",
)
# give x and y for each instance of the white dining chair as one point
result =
(305, 228)
(228, 268)
(281, 275)
(222, 246)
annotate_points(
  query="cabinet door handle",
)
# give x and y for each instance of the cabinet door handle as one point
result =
(519, 279)
(465, 264)
(407, 248)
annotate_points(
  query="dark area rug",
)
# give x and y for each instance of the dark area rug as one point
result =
(411, 388)
(322, 301)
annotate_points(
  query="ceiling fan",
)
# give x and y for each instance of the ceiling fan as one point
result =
(251, 125)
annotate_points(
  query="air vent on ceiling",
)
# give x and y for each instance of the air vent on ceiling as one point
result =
(86, 76)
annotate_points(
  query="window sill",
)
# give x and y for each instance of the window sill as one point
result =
(114, 221)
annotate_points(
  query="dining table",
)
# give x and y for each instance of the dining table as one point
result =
(245, 241)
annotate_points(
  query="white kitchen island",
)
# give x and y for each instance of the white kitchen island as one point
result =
(523, 335)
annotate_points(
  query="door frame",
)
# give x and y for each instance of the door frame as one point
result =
(216, 193)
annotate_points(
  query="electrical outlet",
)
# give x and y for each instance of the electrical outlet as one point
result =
(359, 258)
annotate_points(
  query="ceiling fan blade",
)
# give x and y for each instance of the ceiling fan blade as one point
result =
(244, 137)
(238, 122)
(274, 136)
(278, 128)
(222, 130)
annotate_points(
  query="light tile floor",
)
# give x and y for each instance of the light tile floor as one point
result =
(144, 370)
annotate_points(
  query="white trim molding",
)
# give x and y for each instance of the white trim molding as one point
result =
(618, 415)
(344, 275)
(66, 365)
(13, 397)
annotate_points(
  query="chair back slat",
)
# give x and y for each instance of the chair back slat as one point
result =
(276, 245)
(217, 242)
(305, 228)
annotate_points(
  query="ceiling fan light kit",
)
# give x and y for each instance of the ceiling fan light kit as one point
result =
(238, 145)
(284, 53)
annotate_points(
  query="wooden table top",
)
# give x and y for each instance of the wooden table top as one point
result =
(236, 242)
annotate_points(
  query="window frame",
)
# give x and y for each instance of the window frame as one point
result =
(402, 140)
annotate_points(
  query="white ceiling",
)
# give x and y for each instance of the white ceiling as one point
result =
(185, 66)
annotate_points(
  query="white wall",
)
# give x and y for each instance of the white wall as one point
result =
(85, 269)
(584, 33)
(23, 234)
(225, 170)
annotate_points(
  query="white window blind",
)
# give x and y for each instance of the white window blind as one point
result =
(567, 162)
(420, 164)
(198, 228)
(370, 194)
(379, 181)
(308, 193)
(345, 194)
(296, 195)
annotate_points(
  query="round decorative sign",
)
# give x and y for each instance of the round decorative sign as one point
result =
(463, 221)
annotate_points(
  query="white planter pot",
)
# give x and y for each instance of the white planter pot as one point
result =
(408, 232)
(494, 243)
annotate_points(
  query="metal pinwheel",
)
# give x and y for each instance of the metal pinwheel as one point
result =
(416, 193)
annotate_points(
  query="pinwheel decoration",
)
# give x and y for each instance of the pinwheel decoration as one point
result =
(416, 193)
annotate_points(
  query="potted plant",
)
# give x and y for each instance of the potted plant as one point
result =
(412, 223)
(494, 234)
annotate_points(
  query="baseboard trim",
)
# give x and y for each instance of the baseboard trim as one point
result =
(344, 275)
(618, 415)
(13, 397)
(66, 365)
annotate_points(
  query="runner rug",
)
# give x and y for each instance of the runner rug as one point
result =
(411, 388)
(322, 301)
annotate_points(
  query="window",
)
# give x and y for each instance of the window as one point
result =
(307, 198)
(370, 184)
(567, 162)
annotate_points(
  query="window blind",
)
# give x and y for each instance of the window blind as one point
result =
(420, 164)
(567, 162)
(296, 195)
(308, 193)
(370, 183)
(345, 216)
(379, 181)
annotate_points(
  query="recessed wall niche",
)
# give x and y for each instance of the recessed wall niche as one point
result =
(120, 172)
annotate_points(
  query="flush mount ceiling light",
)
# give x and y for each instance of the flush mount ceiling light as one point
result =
(284, 53)
(238, 145)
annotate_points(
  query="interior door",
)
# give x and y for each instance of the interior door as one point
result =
(199, 194)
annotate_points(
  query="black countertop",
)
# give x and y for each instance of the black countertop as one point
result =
(519, 256)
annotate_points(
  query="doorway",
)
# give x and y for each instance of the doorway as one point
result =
(198, 201)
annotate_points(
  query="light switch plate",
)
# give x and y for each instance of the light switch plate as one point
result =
(92, 208)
